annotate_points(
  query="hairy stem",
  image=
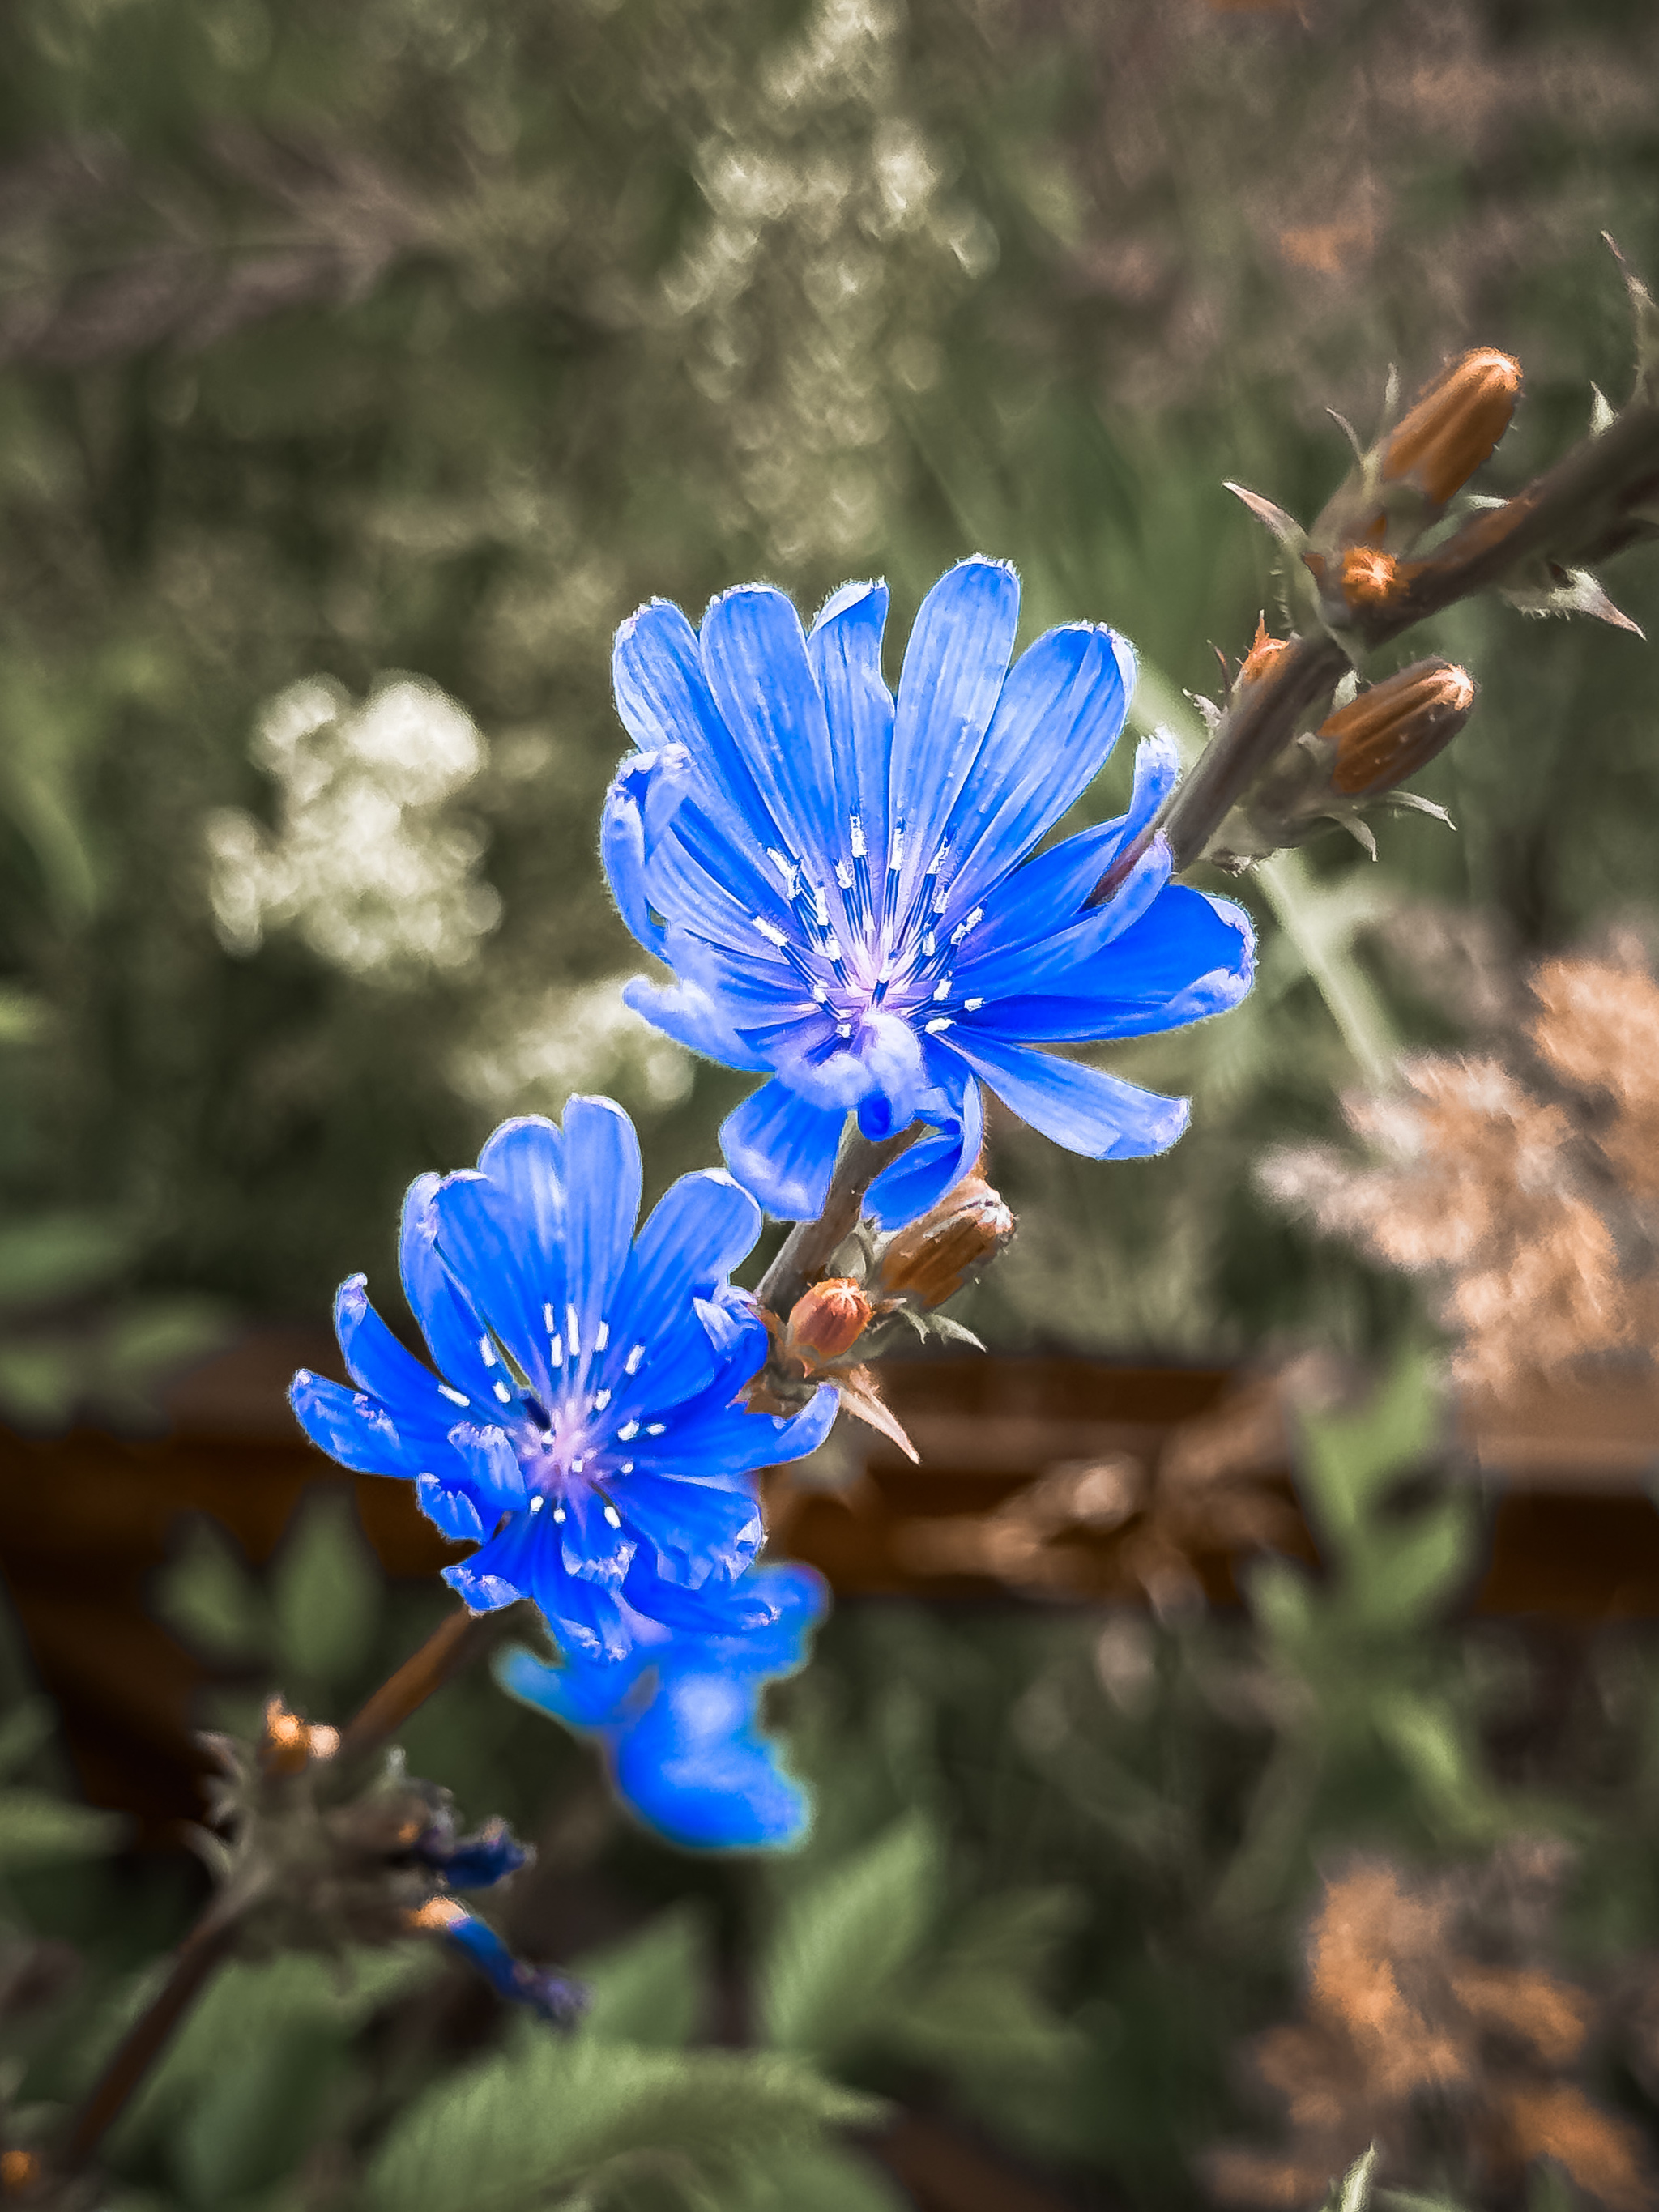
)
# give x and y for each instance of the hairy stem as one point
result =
(206, 1946)
(806, 1250)
(459, 1639)
(1583, 509)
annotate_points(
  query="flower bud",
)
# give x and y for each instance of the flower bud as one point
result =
(1367, 576)
(1452, 426)
(827, 1320)
(1396, 727)
(1258, 662)
(288, 1744)
(932, 1259)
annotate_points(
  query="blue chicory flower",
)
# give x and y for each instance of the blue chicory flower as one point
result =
(583, 1429)
(680, 1722)
(840, 885)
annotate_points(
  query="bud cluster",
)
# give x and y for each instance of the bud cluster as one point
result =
(1358, 756)
(1402, 485)
(328, 1849)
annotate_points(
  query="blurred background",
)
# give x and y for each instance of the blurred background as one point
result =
(361, 368)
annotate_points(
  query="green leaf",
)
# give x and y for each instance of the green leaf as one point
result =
(207, 1597)
(841, 1943)
(825, 2179)
(327, 1592)
(25, 1727)
(58, 1256)
(1353, 2192)
(1350, 1460)
(40, 1830)
(250, 2008)
(524, 2128)
(979, 2011)
(647, 1991)
(250, 2123)
(1405, 1569)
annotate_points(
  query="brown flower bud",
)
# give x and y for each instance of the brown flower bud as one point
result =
(1367, 576)
(288, 1744)
(1396, 727)
(932, 1259)
(1258, 663)
(1453, 424)
(827, 1320)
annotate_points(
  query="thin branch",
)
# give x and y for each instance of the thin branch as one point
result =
(206, 1946)
(807, 1249)
(460, 1638)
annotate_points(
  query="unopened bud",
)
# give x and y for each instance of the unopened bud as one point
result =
(827, 1320)
(1452, 426)
(1258, 663)
(1396, 727)
(288, 1744)
(932, 1259)
(1367, 576)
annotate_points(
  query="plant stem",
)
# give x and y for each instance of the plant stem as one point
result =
(1339, 979)
(1582, 509)
(806, 1250)
(459, 1639)
(206, 1946)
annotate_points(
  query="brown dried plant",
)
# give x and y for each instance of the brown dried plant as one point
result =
(1206, 1489)
(1524, 1184)
(1434, 2028)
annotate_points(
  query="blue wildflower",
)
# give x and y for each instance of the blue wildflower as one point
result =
(679, 1722)
(583, 1429)
(841, 883)
(555, 1997)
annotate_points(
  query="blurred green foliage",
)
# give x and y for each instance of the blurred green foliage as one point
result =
(434, 335)
(1060, 1873)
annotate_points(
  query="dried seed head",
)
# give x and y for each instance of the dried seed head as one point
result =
(1452, 426)
(932, 1259)
(1397, 727)
(827, 1320)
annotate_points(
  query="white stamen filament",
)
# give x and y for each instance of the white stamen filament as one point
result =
(503, 1393)
(613, 1516)
(601, 1400)
(602, 1336)
(486, 1351)
(937, 1028)
(632, 1362)
(455, 1397)
(972, 1005)
(629, 1429)
(573, 1330)
(558, 1513)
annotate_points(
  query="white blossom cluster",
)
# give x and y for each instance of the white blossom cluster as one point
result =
(811, 293)
(579, 1039)
(364, 861)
